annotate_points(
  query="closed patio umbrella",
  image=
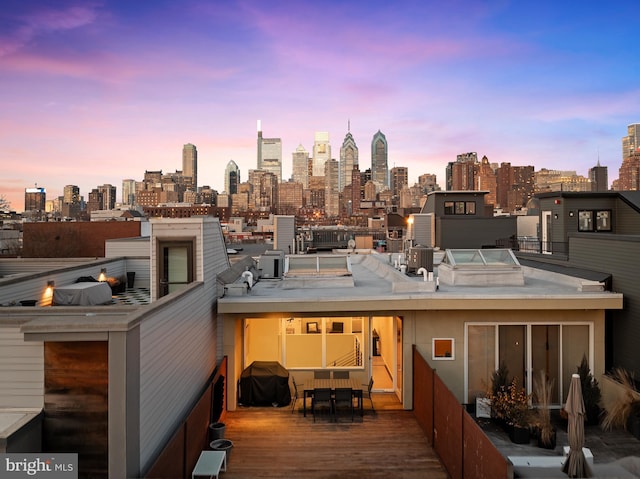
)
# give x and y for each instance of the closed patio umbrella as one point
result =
(576, 464)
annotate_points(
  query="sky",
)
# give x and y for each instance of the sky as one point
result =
(94, 92)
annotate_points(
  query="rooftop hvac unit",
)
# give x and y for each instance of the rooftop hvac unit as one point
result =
(420, 257)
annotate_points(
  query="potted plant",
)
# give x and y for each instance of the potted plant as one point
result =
(619, 407)
(515, 401)
(496, 395)
(543, 391)
(590, 392)
(633, 421)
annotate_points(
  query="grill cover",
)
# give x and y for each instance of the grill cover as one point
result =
(265, 383)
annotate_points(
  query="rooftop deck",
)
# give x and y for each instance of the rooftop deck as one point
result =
(274, 442)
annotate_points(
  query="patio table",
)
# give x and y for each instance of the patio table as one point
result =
(310, 385)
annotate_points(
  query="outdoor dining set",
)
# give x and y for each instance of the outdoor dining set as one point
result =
(332, 393)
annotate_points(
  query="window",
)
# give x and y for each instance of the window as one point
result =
(442, 348)
(602, 220)
(449, 208)
(459, 208)
(318, 343)
(585, 220)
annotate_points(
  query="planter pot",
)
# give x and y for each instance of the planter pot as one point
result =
(483, 407)
(520, 435)
(222, 445)
(633, 425)
(216, 431)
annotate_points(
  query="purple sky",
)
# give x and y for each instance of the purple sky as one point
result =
(92, 92)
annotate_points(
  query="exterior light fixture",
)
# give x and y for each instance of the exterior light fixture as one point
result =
(50, 284)
(571, 213)
(555, 215)
(103, 274)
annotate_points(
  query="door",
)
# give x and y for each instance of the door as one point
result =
(175, 266)
(546, 232)
(545, 356)
(512, 350)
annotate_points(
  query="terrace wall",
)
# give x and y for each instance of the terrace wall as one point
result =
(464, 449)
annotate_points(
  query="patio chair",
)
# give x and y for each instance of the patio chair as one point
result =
(322, 374)
(321, 399)
(367, 393)
(295, 396)
(341, 375)
(343, 400)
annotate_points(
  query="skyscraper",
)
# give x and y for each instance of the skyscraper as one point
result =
(599, 178)
(35, 199)
(379, 160)
(348, 160)
(71, 201)
(269, 154)
(399, 179)
(231, 178)
(300, 166)
(331, 194)
(631, 142)
(321, 152)
(190, 166)
(629, 173)
(128, 192)
(461, 174)
(108, 196)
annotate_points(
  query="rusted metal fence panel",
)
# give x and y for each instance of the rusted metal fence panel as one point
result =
(423, 394)
(447, 430)
(481, 458)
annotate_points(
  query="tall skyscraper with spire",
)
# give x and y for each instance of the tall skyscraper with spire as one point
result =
(269, 154)
(379, 160)
(599, 178)
(190, 166)
(348, 159)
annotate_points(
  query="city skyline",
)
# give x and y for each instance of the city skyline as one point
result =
(94, 93)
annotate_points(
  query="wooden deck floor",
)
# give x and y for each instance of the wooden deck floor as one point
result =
(273, 442)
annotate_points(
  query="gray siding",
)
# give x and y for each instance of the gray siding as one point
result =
(620, 256)
(127, 247)
(472, 232)
(177, 355)
(21, 370)
(626, 220)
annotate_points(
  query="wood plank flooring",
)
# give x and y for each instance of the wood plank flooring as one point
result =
(275, 443)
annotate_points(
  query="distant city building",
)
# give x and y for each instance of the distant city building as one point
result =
(300, 166)
(269, 154)
(35, 199)
(515, 186)
(71, 201)
(487, 181)
(264, 193)
(290, 197)
(314, 195)
(321, 152)
(556, 180)
(599, 178)
(348, 160)
(379, 159)
(331, 195)
(108, 196)
(428, 183)
(231, 178)
(461, 174)
(631, 142)
(128, 192)
(399, 178)
(95, 201)
(190, 166)
(629, 173)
